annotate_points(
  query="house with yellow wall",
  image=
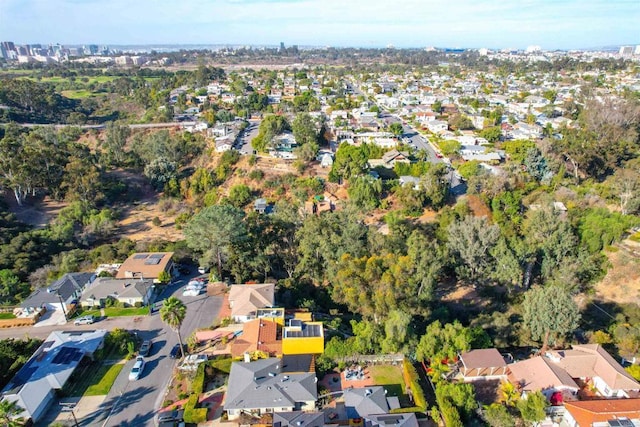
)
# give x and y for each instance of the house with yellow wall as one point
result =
(300, 337)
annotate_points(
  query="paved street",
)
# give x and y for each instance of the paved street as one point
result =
(247, 136)
(135, 403)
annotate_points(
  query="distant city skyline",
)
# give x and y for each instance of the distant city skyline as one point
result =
(551, 24)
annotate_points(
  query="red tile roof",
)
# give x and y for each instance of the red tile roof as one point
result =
(587, 412)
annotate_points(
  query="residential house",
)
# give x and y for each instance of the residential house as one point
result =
(260, 205)
(34, 386)
(326, 160)
(283, 146)
(130, 292)
(559, 370)
(540, 374)
(479, 153)
(363, 402)
(245, 300)
(263, 335)
(406, 419)
(147, 265)
(60, 295)
(592, 363)
(425, 117)
(260, 387)
(390, 158)
(410, 180)
(436, 126)
(484, 363)
(605, 413)
(298, 418)
(300, 337)
(225, 143)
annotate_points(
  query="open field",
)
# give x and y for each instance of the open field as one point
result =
(77, 94)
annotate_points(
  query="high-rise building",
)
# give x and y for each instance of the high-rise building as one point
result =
(3, 52)
(9, 46)
(626, 50)
(281, 46)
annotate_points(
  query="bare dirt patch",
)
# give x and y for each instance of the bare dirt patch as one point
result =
(137, 217)
(478, 207)
(35, 212)
(622, 282)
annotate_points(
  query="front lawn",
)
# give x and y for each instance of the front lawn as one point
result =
(92, 379)
(105, 382)
(118, 312)
(7, 315)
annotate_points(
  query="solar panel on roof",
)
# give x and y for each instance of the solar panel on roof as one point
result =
(140, 256)
(152, 261)
(158, 256)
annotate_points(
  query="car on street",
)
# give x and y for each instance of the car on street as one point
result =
(203, 269)
(145, 348)
(136, 371)
(170, 418)
(84, 320)
(175, 351)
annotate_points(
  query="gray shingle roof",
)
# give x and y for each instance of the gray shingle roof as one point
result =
(66, 286)
(298, 419)
(361, 402)
(261, 384)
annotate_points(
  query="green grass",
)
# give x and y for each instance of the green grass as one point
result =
(635, 237)
(105, 382)
(118, 312)
(93, 380)
(7, 315)
(390, 377)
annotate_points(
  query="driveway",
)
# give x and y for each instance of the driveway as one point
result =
(51, 318)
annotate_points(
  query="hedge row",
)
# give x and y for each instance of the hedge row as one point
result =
(191, 413)
(449, 413)
(411, 380)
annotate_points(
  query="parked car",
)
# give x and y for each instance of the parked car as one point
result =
(175, 351)
(203, 269)
(145, 348)
(84, 320)
(191, 292)
(137, 369)
(170, 417)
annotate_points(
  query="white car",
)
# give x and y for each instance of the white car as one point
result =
(196, 284)
(191, 292)
(137, 369)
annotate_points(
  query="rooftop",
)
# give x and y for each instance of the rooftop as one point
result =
(147, 265)
(299, 329)
(262, 384)
(66, 286)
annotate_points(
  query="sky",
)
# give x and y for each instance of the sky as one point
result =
(551, 24)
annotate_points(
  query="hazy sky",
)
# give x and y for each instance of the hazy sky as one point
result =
(402, 23)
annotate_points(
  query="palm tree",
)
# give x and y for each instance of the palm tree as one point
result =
(8, 414)
(172, 313)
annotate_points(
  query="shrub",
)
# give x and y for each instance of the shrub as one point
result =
(193, 415)
(197, 386)
(156, 221)
(411, 380)
(256, 175)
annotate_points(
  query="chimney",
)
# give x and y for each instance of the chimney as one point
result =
(247, 358)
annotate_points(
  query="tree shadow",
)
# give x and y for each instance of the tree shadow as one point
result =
(116, 404)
